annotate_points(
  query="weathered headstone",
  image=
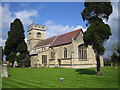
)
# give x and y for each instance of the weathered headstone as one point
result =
(111, 63)
(116, 66)
(62, 80)
(4, 72)
(15, 64)
(23, 66)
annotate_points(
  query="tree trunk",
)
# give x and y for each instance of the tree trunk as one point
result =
(99, 72)
(12, 64)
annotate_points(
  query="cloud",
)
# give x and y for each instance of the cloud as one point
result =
(113, 22)
(2, 38)
(0, 24)
(0, 17)
(6, 17)
(2, 41)
(78, 26)
(55, 29)
(26, 16)
(26, 39)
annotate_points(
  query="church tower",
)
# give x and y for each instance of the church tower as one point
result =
(35, 34)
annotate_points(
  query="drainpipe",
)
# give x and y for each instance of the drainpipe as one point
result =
(72, 53)
(55, 61)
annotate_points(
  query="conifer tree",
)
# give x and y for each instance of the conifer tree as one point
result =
(97, 32)
(15, 46)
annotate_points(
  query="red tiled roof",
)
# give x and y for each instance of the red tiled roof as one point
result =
(45, 42)
(60, 39)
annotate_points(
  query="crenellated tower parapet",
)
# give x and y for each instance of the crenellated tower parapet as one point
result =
(37, 27)
(35, 34)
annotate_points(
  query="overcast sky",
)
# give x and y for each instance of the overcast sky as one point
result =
(58, 17)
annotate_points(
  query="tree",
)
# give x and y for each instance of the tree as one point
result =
(114, 57)
(97, 32)
(116, 51)
(1, 54)
(15, 46)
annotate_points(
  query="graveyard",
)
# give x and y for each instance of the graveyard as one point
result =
(50, 78)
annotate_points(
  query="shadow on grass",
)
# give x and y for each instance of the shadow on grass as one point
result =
(86, 71)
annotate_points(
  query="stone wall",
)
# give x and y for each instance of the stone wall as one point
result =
(32, 39)
(72, 59)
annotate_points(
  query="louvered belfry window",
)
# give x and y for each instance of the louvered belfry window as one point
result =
(38, 35)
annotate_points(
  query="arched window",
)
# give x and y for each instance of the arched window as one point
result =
(38, 35)
(52, 54)
(82, 52)
(65, 52)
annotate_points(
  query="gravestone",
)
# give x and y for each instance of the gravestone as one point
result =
(15, 64)
(62, 80)
(116, 65)
(4, 72)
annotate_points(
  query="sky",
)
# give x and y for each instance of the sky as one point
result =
(58, 17)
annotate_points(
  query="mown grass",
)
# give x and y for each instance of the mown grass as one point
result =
(49, 78)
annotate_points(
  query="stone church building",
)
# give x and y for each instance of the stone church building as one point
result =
(66, 50)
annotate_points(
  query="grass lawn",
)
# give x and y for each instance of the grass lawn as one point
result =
(49, 78)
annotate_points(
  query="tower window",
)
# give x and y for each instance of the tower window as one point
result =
(29, 35)
(38, 35)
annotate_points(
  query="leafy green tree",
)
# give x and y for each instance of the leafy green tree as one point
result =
(15, 46)
(97, 32)
(116, 50)
(1, 54)
(114, 57)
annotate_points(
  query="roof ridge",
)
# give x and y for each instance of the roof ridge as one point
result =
(56, 39)
(50, 37)
(70, 32)
(64, 33)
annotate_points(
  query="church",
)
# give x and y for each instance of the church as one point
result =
(66, 50)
